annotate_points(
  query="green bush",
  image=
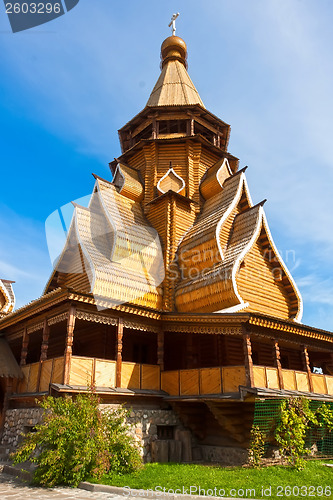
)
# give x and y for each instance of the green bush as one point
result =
(257, 447)
(297, 419)
(77, 440)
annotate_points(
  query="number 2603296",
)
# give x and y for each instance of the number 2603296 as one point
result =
(33, 8)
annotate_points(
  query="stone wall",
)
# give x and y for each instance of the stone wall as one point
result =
(18, 421)
(143, 424)
(224, 455)
(144, 428)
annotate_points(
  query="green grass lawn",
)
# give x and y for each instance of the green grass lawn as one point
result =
(315, 481)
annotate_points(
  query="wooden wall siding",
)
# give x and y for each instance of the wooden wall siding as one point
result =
(232, 378)
(295, 359)
(176, 153)
(264, 353)
(319, 384)
(203, 381)
(45, 375)
(258, 286)
(58, 371)
(206, 352)
(170, 382)
(137, 161)
(150, 153)
(289, 380)
(193, 153)
(329, 383)
(233, 351)
(207, 160)
(293, 380)
(215, 380)
(156, 214)
(81, 371)
(259, 376)
(302, 381)
(150, 377)
(130, 376)
(189, 382)
(272, 378)
(103, 345)
(56, 344)
(105, 373)
(35, 345)
(210, 381)
(33, 377)
(175, 351)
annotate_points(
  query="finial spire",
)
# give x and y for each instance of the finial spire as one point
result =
(173, 23)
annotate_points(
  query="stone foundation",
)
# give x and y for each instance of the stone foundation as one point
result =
(19, 421)
(224, 455)
(143, 424)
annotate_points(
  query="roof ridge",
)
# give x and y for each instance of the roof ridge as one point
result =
(258, 205)
(100, 178)
(241, 171)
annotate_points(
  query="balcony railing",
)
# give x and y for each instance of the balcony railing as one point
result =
(293, 380)
(85, 371)
(203, 380)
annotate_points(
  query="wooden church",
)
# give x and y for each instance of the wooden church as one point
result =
(170, 292)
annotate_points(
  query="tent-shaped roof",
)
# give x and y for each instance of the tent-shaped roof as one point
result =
(174, 86)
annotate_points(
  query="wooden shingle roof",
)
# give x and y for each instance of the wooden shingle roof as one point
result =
(111, 248)
(7, 297)
(174, 88)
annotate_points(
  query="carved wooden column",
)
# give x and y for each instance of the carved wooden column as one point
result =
(160, 350)
(248, 360)
(154, 132)
(119, 351)
(306, 366)
(277, 362)
(69, 343)
(43, 352)
(24, 350)
(45, 341)
(192, 126)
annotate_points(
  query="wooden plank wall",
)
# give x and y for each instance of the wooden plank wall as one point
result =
(198, 381)
(215, 380)
(81, 371)
(293, 380)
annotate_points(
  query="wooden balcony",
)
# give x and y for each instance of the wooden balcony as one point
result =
(199, 381)
(293, 380)
(85, 371)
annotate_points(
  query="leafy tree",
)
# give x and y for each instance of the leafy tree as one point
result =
(77, 440)
(296, 419)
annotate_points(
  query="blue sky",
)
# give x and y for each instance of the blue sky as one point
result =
(264, 66)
